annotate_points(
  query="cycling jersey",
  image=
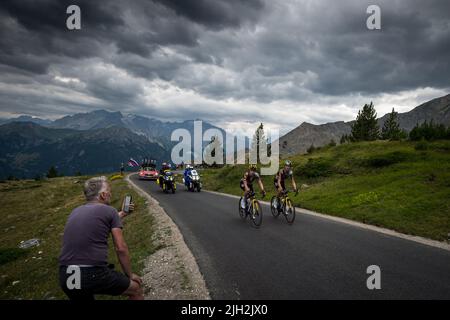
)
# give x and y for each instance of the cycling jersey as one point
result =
(249, 177)
(283, 175)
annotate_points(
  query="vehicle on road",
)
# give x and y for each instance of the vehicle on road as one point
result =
(283, 205)
(251, 209)
(167, 182)
(148, 172)
(192, 180)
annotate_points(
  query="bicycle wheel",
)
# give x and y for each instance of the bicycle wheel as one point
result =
(274, 207)
(289, 212)
(256, 214)
(242, 211)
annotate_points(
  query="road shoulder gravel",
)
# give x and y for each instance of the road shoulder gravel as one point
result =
(171, 272)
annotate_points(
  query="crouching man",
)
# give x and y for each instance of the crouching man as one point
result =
(83, 263)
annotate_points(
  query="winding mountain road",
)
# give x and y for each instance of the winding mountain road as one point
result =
(316, 258)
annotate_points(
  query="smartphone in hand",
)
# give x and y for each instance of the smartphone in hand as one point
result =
(127, 203)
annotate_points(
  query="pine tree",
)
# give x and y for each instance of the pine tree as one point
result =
(52, 172)
(365, 128)
(345, 139)
(311, 149)
(391, 128)
(259, 143)
(429, 131)
(332, 143)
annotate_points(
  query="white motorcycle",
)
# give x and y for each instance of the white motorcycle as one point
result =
(192, 182)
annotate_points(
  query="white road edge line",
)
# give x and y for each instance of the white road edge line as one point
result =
(421, 240)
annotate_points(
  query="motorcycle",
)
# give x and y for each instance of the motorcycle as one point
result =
(167, 182)
(192, 181)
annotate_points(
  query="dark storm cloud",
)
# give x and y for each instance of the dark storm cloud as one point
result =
(217, 14)
(262, 51)
(37, 28)
(45, 15)
(33, 33)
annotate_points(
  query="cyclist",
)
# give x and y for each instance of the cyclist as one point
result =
(280, 180)
(246, 183)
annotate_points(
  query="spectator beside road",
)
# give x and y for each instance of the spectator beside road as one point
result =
(85, 248)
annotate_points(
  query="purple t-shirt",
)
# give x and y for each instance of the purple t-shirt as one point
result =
(86, 234)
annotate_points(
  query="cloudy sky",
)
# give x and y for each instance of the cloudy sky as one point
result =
(231, 62)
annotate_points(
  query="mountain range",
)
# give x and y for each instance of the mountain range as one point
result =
(28, 149)
(100, 140)
(94, 142)
(155, 130)
(307, 134)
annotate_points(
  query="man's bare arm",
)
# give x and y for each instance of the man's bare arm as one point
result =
(279, 182)
(122, 251)
(294, 185)
(261, 186)
(246, 188)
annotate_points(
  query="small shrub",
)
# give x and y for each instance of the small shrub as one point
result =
(421, 145)
(385, 160)
(429, 131)
(440, 145)
(343, 170)
(332, 143)
(311, 149)
(11, 254)
(52, 172)
(316, 167)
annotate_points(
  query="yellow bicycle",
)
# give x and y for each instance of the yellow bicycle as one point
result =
(283, 205)
(252, 209)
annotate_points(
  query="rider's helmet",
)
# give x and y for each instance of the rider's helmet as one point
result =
(288, 163)
(252, 167)
(165, 166)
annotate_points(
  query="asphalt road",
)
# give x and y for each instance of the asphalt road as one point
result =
(313, 259)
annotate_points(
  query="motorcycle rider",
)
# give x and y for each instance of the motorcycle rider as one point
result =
(246, 183)
(187, 171)
(164, 167)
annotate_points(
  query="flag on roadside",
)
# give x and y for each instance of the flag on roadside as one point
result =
(133, 163)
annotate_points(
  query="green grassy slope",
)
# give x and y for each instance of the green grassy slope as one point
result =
(39, 209)
(403, 186)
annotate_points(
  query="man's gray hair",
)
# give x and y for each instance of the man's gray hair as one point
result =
(93, 187)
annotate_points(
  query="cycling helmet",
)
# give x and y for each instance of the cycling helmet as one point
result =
(253, 167)
(288, 163)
